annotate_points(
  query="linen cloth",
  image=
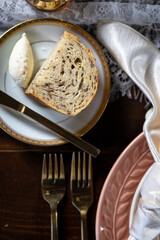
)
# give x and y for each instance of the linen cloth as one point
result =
(140, 59)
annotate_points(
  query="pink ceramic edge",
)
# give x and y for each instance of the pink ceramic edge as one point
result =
(99, 206)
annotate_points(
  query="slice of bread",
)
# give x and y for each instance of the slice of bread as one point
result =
(68, 79)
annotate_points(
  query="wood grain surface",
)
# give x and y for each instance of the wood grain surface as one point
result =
(24, 215)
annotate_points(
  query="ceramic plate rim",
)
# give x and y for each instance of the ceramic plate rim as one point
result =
(139, 138)
(105, 66)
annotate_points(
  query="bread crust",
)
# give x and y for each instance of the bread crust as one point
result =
(68, 79)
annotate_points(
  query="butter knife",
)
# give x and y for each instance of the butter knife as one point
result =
(10, 102)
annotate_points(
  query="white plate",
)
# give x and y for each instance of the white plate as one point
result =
(43, 35)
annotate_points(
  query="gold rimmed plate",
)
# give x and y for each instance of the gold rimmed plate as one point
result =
(50, 5)
(43, 35)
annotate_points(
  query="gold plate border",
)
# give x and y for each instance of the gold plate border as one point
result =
(97, 48)
(49, 8)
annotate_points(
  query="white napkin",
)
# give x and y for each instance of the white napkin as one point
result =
(140, 59)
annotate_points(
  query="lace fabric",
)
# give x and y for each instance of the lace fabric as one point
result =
(142, 15)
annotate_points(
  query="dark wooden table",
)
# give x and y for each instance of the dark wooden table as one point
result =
(24, 215)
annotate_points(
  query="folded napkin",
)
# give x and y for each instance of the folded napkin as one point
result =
(140, 59)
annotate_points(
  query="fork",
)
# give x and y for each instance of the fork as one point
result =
(53, 189)
(82, 189)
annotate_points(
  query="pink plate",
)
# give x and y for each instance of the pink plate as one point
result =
(113, 212)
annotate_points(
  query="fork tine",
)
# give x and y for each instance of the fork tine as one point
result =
(53, 190)
(55, 167)
(44, 168)
(73, 168)
(82, 194)
(84, 170)
(79, 170)
(50, 167)
(62, 174)
(90, 171)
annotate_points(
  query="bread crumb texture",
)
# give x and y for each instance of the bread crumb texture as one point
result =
(68, 79)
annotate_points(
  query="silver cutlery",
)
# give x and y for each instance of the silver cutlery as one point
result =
(8, 101)
(53, 189)
(82, 189)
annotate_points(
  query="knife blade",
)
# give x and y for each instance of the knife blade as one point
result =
(10, 102)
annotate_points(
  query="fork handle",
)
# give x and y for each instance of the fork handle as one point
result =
(54, 224)
(84, 231)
